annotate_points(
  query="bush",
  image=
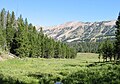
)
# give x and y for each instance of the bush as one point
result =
(105, 75)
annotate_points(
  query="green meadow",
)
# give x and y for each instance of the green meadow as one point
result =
(84, 69)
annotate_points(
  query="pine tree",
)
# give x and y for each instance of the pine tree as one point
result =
(22, 39)
(67, 52)
(117, 42)
(2, 25)
(1, 35)
(26, 25)
(58, 50)
(63, 50)
(13, 21)
(51, 49)
(42, 42)
(100, 50)
(2, 39)
(73, 53)
(30, 27)
(3, 13)
(46, 46)
(38, 44)
(33, 39)
(107, 50)
(9, 30)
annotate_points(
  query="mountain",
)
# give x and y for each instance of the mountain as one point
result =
(81, 31)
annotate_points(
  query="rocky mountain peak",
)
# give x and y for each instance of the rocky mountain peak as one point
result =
(81, 31)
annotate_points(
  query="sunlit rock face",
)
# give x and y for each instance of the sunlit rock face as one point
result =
(81, 31)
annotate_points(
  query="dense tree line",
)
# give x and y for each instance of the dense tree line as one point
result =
(111, 49)
(85, 47)
(19, 37)
(106, 50)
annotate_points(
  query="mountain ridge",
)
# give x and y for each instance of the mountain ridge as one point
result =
(81, 31)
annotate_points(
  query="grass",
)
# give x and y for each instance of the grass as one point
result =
(45, 71)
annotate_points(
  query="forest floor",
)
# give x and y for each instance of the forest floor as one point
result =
(48, 71)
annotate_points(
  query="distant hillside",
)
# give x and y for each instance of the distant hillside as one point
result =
(81, 31)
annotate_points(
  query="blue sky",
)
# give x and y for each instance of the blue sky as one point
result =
(53, 12)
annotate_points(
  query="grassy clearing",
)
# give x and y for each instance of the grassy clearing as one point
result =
(48, 71)
(23, 69)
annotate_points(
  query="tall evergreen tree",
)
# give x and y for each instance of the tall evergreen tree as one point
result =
(117, 42)
(63, 50)
(2, 39)
(9, 30)
(58, 50)
(8, 27)
(51, 48)
(3, 14)
(26, 25)
(42, 42)
(33, 40)
(106, 49)
(38, 44)
(46, 46)
(21, 39)
(2, 24)
(13, 22)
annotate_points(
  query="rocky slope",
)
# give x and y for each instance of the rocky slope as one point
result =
(82, 31)
(6, 55)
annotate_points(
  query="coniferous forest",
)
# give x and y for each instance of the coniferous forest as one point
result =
(22, 39)
(111, 49)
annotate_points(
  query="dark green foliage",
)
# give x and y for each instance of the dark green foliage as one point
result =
(3, 14)
(2, 29)
(110, 49)
(117, 42)
(105, 75)
(22, 39)
(2, 39)
(106, 50)
(58, 50)
(10, 30)
(9, 80)
(51, 48)
(87, 47)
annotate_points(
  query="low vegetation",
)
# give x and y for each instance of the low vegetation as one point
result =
(28, 70)
(84, 69)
